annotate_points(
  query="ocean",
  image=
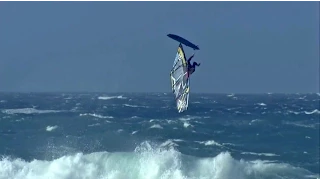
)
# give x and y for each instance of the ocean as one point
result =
(141, 135)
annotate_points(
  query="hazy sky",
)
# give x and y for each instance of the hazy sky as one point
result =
(122, 46)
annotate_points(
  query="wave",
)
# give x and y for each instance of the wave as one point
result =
(302, 124)
(214, 143)
(260, 154)
(209, 143)
(135, 106)
(111, 97)
(156, 126)
(134, 132)
(96, 115)
(316, 111)
(188, 118)
(261, 104)
(255, 121)
(186, 125)
(147, 162)
(92, 125)
(28, 111)
(292, 112)
(51, 128)
(169, 143)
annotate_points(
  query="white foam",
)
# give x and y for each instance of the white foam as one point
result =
(135, 106)
(186, 125)
(209, 143)
(6, 117)
(188, 118)
(96, 115)
(28, 111)
(255, 121)
(21, 119)
(129, 105)
(261, 104)
(293, 112)
(238, 112)
(302, 97)
(230, 144)
(169, 143)
(235, 108)
(185, 119)
(300, 124)
(74, 109)
(156, 126)
(111, 97)
(92, 125)
(170, 121)
(260, 154)
(51, 128)
(147, 163)
(214, 143)
(178, 140)
(316, 111)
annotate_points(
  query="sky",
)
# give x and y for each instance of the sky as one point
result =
(245, 47)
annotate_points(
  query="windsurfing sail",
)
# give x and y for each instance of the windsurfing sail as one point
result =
(180, 81)
(183, 41)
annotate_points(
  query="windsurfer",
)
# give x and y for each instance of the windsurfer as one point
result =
(192, 68)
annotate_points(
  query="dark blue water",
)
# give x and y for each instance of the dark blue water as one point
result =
(73, 135)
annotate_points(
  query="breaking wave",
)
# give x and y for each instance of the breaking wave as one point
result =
(316, 111)
(51, 128)
(147, 162)
(135, 106)
(96, 115)
(28, 111)
(111, 97)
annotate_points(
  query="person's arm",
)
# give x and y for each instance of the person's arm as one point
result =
(190, 58)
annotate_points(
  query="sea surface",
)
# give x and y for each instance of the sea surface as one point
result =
(141, 135)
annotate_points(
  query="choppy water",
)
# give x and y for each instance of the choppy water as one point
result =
(131, 135)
